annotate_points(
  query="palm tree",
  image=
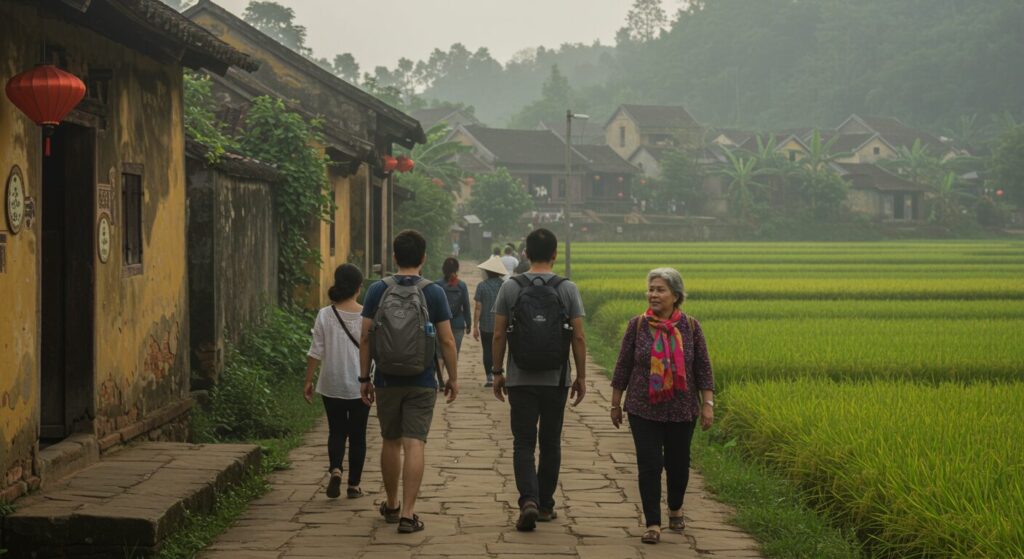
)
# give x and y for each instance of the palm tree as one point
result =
(436, 157)
(917, 164)
(743, 173)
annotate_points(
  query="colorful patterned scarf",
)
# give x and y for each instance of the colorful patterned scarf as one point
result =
(668, 369)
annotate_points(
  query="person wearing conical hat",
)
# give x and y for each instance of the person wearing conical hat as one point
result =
(483, 309)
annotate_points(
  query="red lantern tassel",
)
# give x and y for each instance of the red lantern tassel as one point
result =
(46, 146)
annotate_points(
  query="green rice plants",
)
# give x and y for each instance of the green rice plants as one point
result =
(917, 471)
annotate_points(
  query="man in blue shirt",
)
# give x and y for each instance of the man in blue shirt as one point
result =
(405, 404)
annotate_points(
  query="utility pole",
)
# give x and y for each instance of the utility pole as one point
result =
(569, 115)
(565, 193)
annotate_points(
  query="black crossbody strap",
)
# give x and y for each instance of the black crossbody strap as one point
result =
(345, 328)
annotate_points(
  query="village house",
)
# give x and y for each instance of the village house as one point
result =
(358, 130)
(632, 126)
(600, 177)
(882, 195)
(896, 134)
(860, 148)
(93, 345)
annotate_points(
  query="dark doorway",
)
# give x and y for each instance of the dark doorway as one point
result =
(898, 206)
(67, 283)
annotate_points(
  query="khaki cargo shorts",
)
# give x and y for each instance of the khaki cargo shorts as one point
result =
(405, 411)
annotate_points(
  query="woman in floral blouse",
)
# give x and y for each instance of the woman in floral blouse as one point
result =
(664, 370)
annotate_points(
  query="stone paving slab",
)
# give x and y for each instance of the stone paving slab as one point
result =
(468, 498)
(129, 501)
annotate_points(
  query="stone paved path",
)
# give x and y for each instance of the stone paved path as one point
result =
(468, 498)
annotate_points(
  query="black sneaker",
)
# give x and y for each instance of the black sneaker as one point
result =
(546, 515)
(334, 486)
(527, 517)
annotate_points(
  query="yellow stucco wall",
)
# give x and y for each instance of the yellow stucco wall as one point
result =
(866, 153)
(613, 138)
(19, 345)
(342, 239)
(792, 146)
(140, 327)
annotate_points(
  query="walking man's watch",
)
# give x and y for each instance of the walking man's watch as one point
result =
(497, 371)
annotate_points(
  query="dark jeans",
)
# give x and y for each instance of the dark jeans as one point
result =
(661, 445)
(485, 342)
(532, 405)
(346, 419)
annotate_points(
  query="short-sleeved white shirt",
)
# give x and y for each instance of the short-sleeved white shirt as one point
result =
(338, 356)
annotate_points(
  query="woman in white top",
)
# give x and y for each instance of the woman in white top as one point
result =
(335, 345)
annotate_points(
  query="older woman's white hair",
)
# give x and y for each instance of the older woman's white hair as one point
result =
(673, 279)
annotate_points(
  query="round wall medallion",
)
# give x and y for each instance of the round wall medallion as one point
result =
(15, 200)
(103, 238)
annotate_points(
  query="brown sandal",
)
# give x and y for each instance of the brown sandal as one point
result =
(651, 536)
(676, 523)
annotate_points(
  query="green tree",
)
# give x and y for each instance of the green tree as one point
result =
(499, 201)
(346, 67)
(1007, 164)
(431, 212)
(645, 20)
(275, 135)
(917, 164)
(278, 23)
(682, 179)
(555, 98)
(743, 174)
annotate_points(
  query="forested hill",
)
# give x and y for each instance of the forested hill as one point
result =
(778, 63)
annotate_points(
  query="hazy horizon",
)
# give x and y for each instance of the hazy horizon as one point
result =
(414, 28)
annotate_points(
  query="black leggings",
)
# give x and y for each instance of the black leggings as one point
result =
(661, 445)
(346, 419)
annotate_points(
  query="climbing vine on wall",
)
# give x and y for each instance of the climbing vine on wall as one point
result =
(273, 134)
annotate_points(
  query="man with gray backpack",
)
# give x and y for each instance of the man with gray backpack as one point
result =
(540, 315)
(406, 321)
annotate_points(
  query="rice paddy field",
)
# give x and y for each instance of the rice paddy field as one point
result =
(884, 379)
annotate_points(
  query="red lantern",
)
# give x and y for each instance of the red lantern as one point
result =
(46, 94)
(1000, 192)
(405, 164)
(389, 163)
(438, 182)
(470, 181)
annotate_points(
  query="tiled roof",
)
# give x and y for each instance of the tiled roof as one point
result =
(899, 134)
(604, 159)
(660, 116)
(867, 175)
(431, 116)
(540, 148)
(847, 142)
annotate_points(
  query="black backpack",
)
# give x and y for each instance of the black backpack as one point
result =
(454, 295)
(539, 334)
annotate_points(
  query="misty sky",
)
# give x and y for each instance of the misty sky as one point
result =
(379, 35)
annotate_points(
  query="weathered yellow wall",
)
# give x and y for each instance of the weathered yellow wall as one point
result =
(792, 145)
(342, 240)
(19, 344)
(140, 344)
(866, 153)
(611, 135)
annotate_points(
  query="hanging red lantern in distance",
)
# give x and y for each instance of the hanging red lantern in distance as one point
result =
(46, 94)
(1000, 192)
(405, 164)
(437, 182)
(389, 163)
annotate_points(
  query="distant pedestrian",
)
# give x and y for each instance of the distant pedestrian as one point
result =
(455, 249)
(335, 350)
(540, 315)
(457, 293)
(407, 318)
(664, 369)
(509, 260)
(483, 310)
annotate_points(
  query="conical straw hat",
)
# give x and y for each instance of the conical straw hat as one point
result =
(494, 264)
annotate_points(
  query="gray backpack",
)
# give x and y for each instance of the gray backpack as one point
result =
(402, 338)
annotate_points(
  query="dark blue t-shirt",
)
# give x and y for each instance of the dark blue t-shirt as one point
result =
(437, 307)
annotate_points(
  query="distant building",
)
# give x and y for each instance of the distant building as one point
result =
(537, 158)
(789, 146)
(880, 194)
(895, 133)
(632, 126)
(582, 132)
